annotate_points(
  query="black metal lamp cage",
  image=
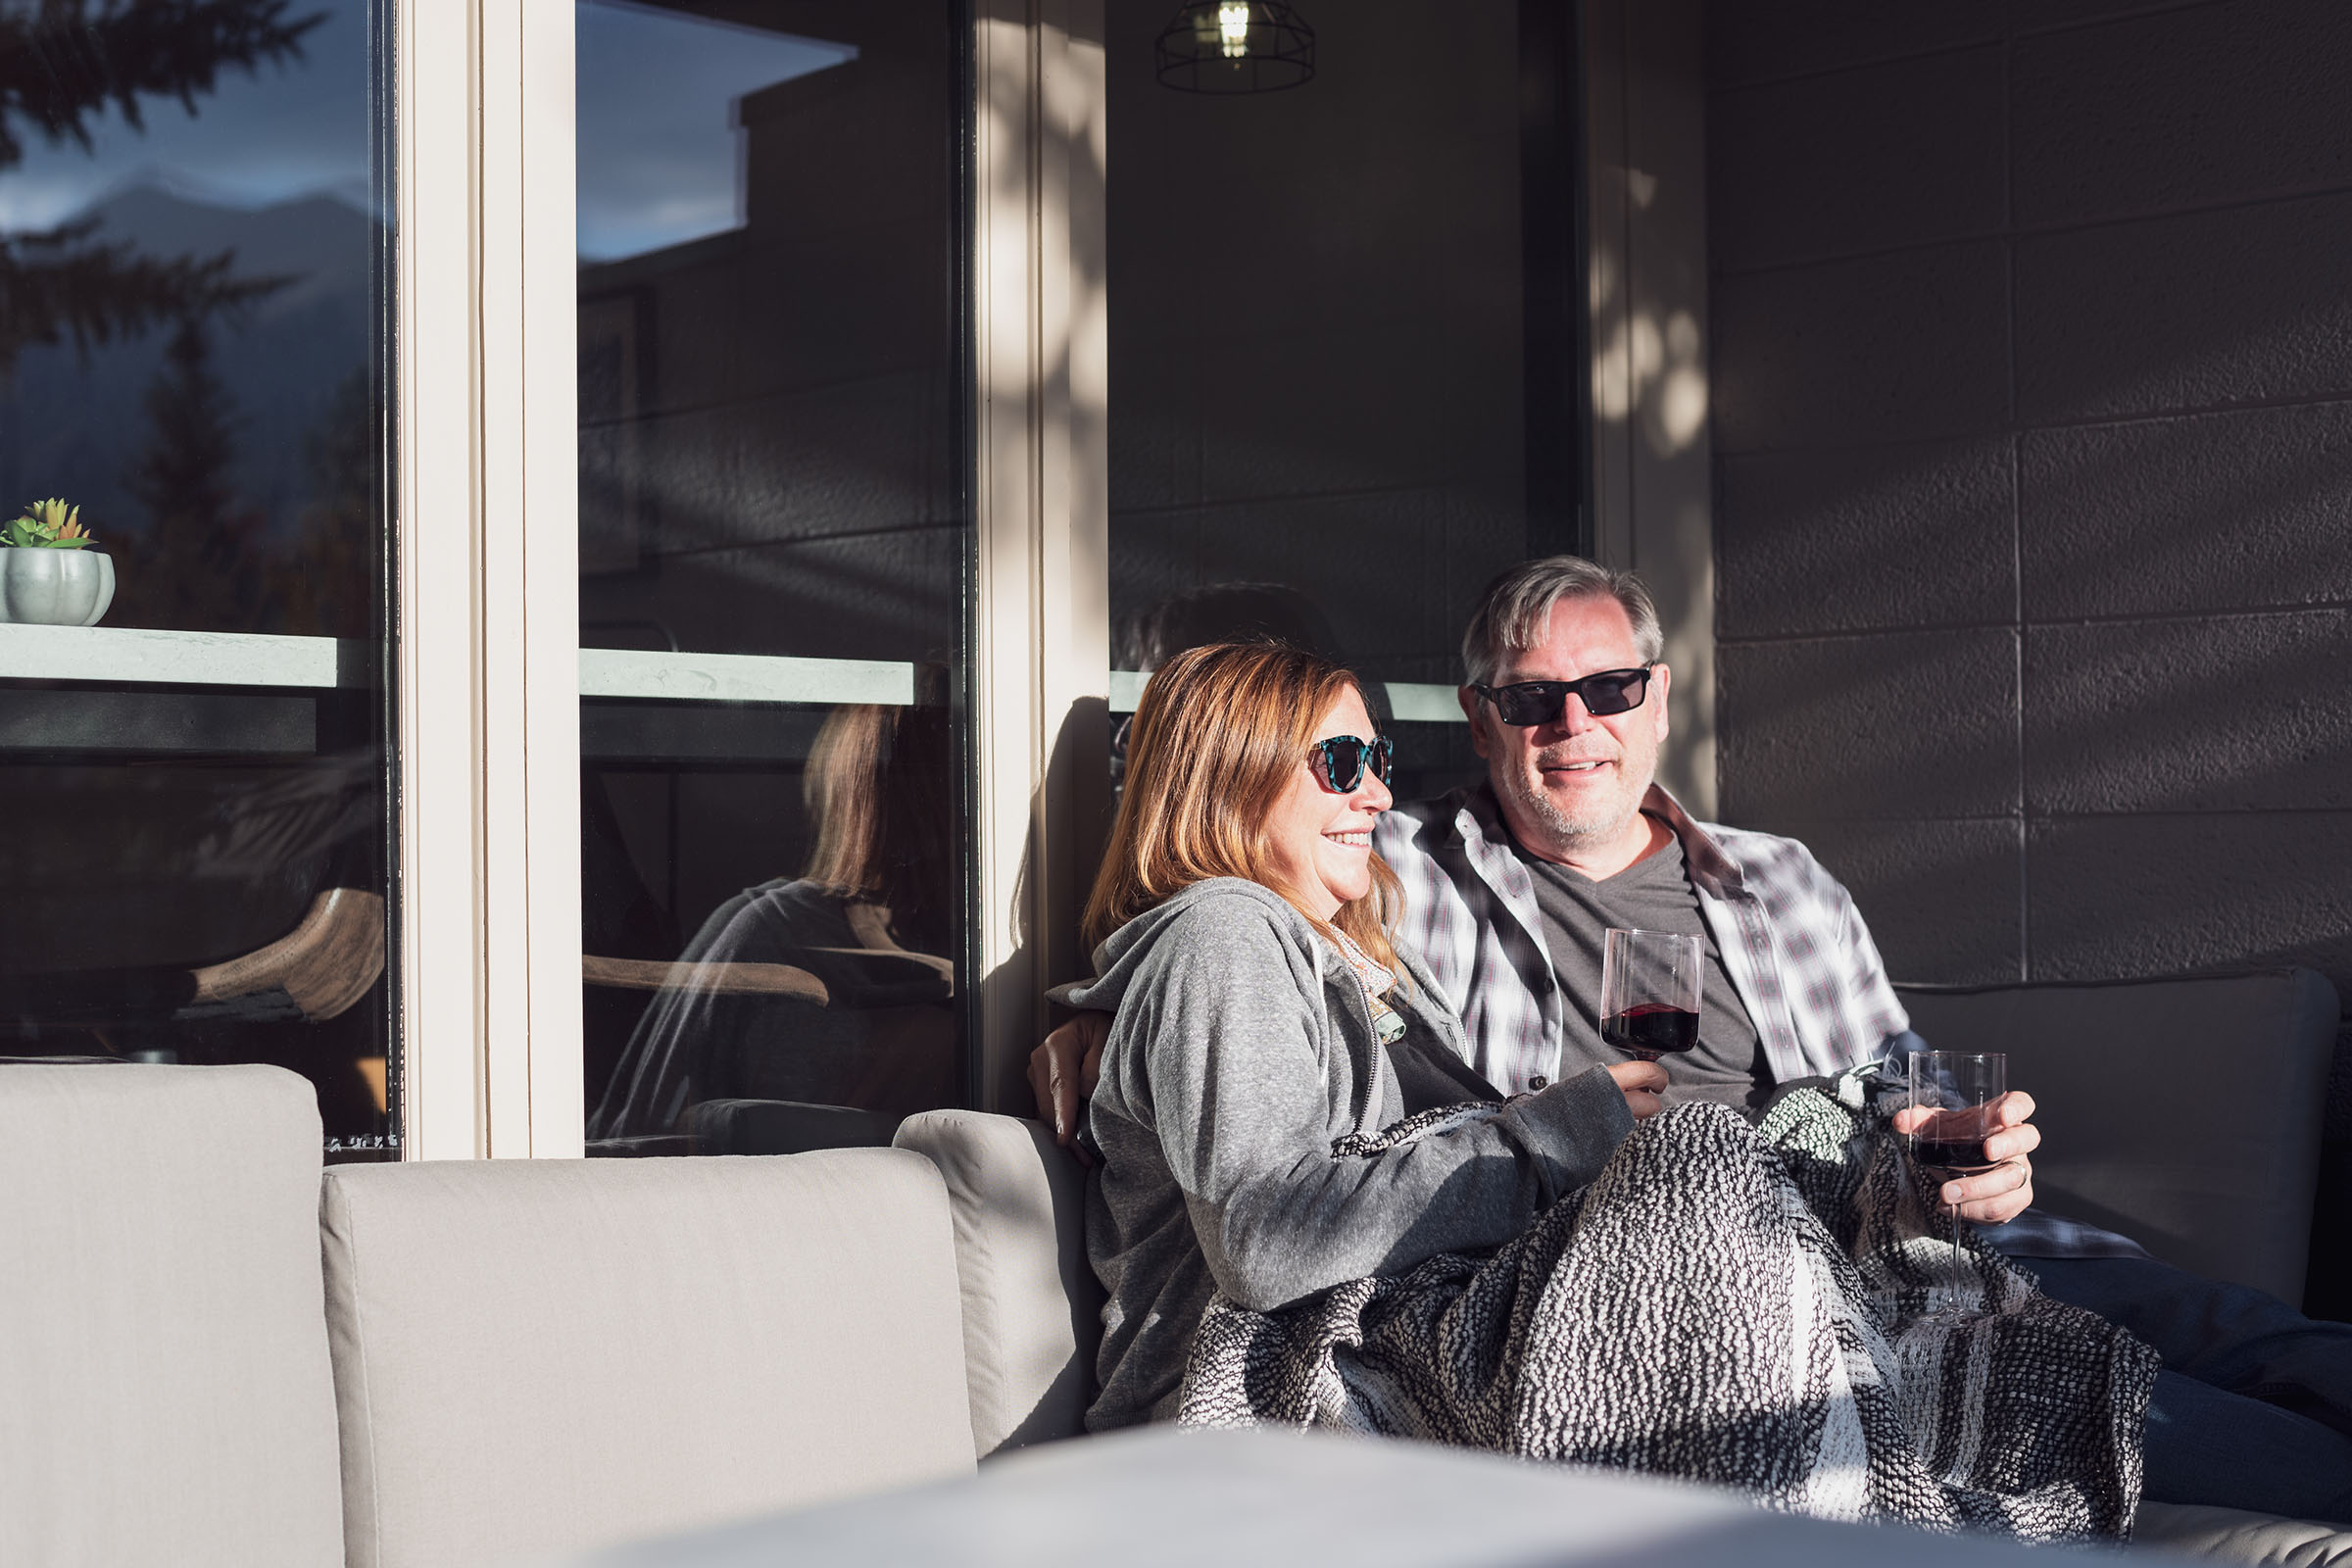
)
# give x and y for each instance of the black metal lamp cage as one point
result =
(1235, 46)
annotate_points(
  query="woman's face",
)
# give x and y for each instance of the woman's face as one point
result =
(1320, 844)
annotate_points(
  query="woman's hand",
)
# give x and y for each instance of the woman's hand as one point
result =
(1997, 1196)
(1062, 1073)
(1640, 1082)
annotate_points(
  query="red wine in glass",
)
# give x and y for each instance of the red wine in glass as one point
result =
(1957, 1089)
(1650, 985)
(1651, 1029)
(1951, 1154)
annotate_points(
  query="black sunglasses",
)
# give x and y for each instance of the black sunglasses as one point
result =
(1542, 702)
(1341, 760)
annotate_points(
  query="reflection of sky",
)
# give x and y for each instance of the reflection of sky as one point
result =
(286, 130)
(658, 145)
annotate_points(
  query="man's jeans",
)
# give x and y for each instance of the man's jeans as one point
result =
(2254, 1407)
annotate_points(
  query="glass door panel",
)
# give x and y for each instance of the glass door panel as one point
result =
(1344, 345)
(774, 541)
(193, 764)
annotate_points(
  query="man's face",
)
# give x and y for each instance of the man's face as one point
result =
(1574, 786)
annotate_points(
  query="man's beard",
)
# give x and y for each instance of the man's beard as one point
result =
(1562, 831)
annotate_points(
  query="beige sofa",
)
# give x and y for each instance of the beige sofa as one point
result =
(212, 1352)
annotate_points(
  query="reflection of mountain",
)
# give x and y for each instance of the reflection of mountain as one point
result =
(71, 426)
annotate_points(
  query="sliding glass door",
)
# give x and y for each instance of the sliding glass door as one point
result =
(774, 547)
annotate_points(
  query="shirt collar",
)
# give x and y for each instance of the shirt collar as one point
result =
(1478, 821)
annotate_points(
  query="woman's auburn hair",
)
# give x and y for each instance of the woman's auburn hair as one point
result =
(1221, 732)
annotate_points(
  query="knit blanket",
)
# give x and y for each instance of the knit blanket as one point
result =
(1773, 1308)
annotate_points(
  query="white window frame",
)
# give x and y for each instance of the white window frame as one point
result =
(487, 581)
(487, 556)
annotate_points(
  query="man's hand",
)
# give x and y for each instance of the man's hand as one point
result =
(1640, 1082)
(1062, 1073)
(1997, 1196)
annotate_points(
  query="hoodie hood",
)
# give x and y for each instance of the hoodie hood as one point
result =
(1121, 954)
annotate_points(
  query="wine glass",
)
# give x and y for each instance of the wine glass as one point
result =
(1649, 987)
(1957, 1089)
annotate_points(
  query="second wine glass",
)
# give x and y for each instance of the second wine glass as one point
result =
(1957, 1089)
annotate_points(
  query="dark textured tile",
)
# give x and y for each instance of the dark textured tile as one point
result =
(1942, 897)
(2238, 510)
(2183, 312)
(1886, 348)
(1860, 160)
(2214, 103)
(2227, 714)
(1883, 727)
(1748, 41)
(2116, 897)
(1882, 538)
(2031, 18)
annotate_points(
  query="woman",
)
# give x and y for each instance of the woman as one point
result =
(1263, 1015)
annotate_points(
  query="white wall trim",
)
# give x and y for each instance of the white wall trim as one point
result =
(437, 630)
(487, 581)
(1041, 665)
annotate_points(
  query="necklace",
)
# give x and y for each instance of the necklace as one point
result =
(1374, 981)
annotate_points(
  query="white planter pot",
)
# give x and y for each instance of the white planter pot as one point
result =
(55, 587)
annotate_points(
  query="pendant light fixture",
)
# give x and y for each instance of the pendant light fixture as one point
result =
(1235, 46)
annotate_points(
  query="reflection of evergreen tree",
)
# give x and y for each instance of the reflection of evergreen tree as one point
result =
(62, 64)
(55, 281)
(197, 570)
(326, 585)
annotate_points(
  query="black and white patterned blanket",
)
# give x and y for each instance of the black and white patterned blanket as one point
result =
(1773, 1308)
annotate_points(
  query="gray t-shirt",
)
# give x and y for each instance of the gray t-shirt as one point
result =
(1653, 894)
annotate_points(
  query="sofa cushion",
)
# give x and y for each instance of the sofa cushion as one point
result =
(547, 1355)
(164, 1392)
(1032, 1310)
(2184, 1113)
(2229, 1535)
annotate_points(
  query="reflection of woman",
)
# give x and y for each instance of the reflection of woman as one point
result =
(1263, 1015)
(871, 922)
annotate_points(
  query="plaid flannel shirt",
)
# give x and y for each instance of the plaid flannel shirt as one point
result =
(1792, 941)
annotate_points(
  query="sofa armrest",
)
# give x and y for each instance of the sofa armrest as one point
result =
(2186, 1114)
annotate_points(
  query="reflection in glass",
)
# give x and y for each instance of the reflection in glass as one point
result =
(1343, 334)
(815, 1011)
(195, 258)
(773, 468)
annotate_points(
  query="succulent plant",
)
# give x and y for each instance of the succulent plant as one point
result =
(47, 525)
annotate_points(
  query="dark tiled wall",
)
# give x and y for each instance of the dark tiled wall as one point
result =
(2033, 522)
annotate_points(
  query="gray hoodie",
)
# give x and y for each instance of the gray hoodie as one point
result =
(1241, 1049)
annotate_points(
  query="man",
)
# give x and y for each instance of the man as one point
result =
(1509, 886)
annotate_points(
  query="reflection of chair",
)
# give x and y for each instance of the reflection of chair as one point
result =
(760, 1055)
(314, 972)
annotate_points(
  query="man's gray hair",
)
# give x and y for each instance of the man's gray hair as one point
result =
(1515, 610)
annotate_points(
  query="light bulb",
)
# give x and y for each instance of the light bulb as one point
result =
(1233, 27)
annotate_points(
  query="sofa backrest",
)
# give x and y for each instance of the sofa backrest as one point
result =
(535, 1357)
(165, 1392)
(2186, 1114)
(1032, 1310)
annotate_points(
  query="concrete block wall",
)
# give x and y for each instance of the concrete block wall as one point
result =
(2033, 377)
